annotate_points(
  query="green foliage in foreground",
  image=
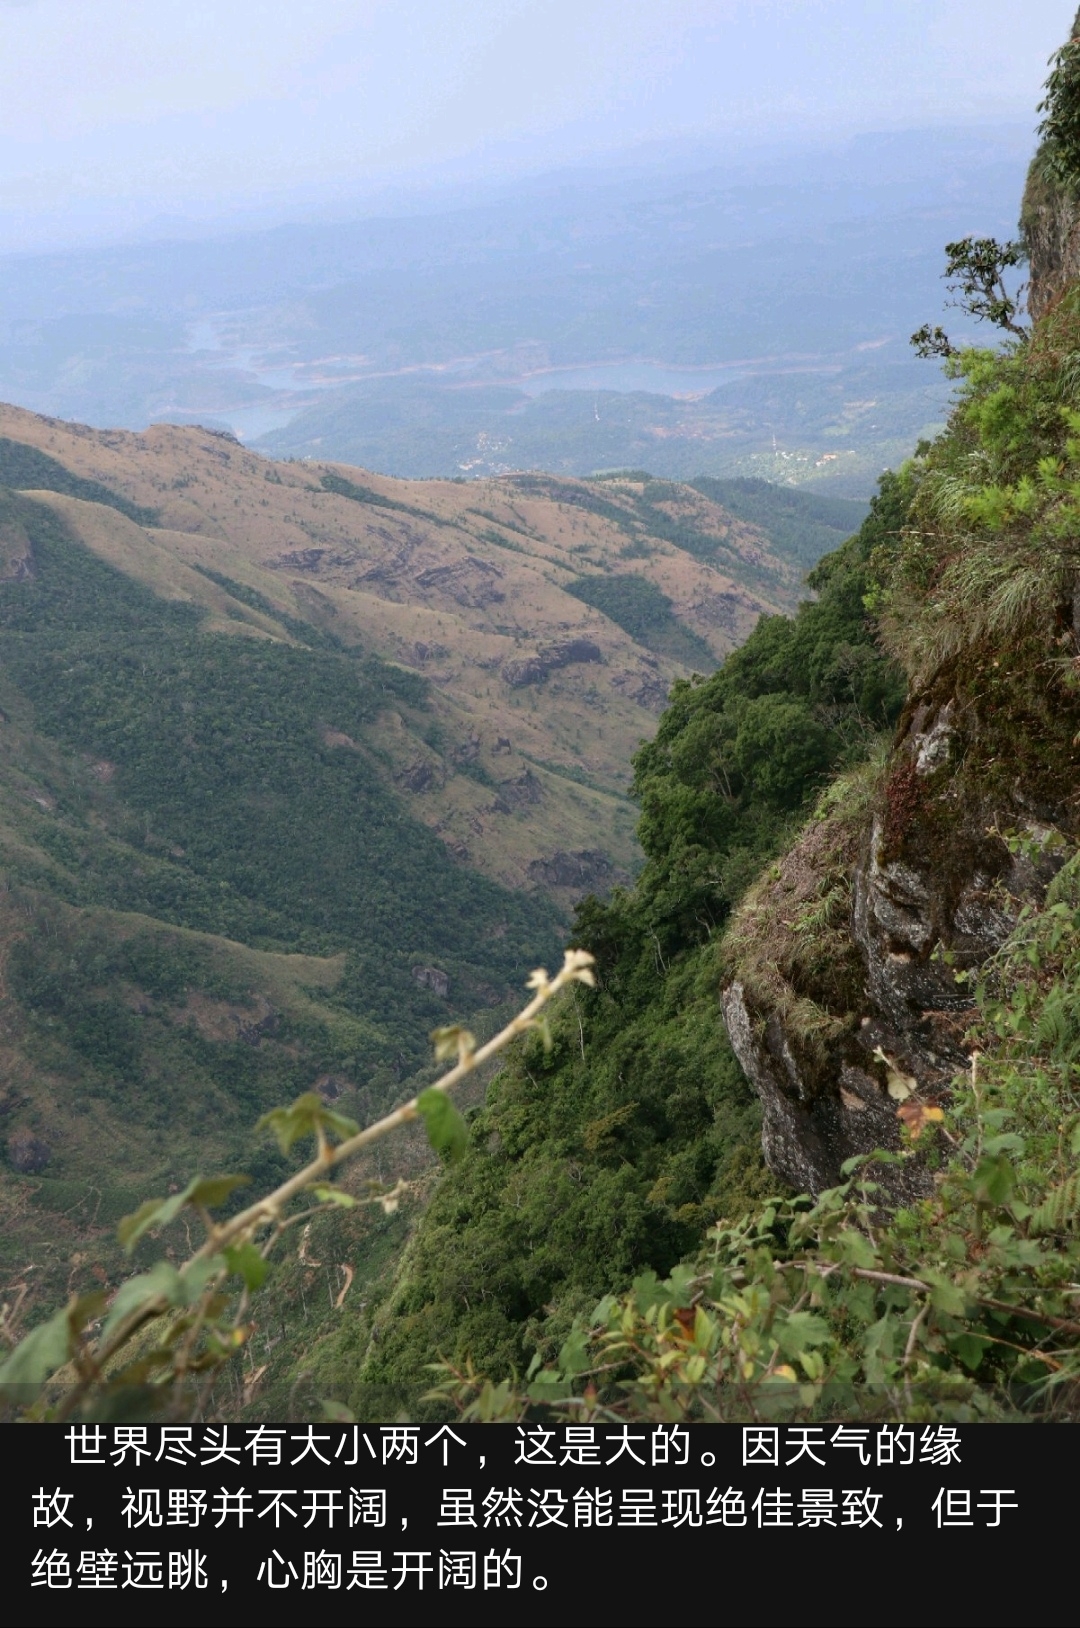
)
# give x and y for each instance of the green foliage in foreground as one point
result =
(963, 1307)
(167, 1332)
(615, 1150)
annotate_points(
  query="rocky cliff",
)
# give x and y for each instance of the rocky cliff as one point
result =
(844, 1008)
(1050, 227)
(841, 998)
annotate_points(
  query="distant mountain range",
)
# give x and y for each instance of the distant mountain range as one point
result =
(734, 319)
(298, 762)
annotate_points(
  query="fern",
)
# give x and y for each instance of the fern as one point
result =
(1056, 1027)
(1060, 1206)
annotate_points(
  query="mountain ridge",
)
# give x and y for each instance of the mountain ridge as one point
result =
(474, 590)
(296, 763)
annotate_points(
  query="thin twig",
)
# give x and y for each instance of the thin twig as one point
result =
(267, 1211)
(913, 1334)
(1062, 1324)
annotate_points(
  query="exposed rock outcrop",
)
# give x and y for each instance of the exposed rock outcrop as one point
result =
(534, 669)
(1050, 223)
(586, 871)
(16, 554)
(28, 1153)
(842, 1007)
(522, 792)
(432, 978)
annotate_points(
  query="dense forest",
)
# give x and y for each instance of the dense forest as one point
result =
(220, 759)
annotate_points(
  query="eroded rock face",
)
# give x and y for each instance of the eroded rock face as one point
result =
(16, 554)
(534, 669)
(28, 1153)
(1050, 224)
(522, 792)
(807, 1133)
(925, 876)
(432, 978)
(587, 871)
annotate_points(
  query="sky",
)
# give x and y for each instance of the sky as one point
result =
(119, 115)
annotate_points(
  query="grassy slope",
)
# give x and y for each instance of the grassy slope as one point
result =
(449, 580)
(612, 1153)
(209, 903)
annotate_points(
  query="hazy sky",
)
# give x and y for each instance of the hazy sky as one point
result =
(113, 112)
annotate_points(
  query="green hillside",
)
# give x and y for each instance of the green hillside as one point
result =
(24, 467)
(612, 1153)
(803, 525)
(208, 906)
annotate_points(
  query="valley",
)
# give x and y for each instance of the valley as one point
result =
(487, 592)
(298, 763)
(580, 574)
(716, 314)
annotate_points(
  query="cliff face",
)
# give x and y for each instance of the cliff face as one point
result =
(841, 998)
(845, 1028)
(1050, 227)
(1050, 224)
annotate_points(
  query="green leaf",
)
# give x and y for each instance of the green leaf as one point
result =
(994, 1180)
(327, 1194)
(574, 1355)
(44, 1349)
(246, 1262)
(854, 1248)
(447, 1131)
(197, 1275)
(879, 1347)
(153, 1212)
(306, 1117)
(211, 1191)
(158, 1212)
(50, 1345)
(800, 1331)
(1009, 1142)
(969, 1348)
(162, 1282)
(945, 1296)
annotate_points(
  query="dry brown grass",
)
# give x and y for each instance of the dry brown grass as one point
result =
(430, 590)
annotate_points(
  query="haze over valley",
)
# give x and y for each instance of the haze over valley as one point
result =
(709, 315)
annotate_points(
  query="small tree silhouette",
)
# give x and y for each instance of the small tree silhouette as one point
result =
(975, 270)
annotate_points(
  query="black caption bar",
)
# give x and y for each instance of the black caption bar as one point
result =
(624, 1524)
